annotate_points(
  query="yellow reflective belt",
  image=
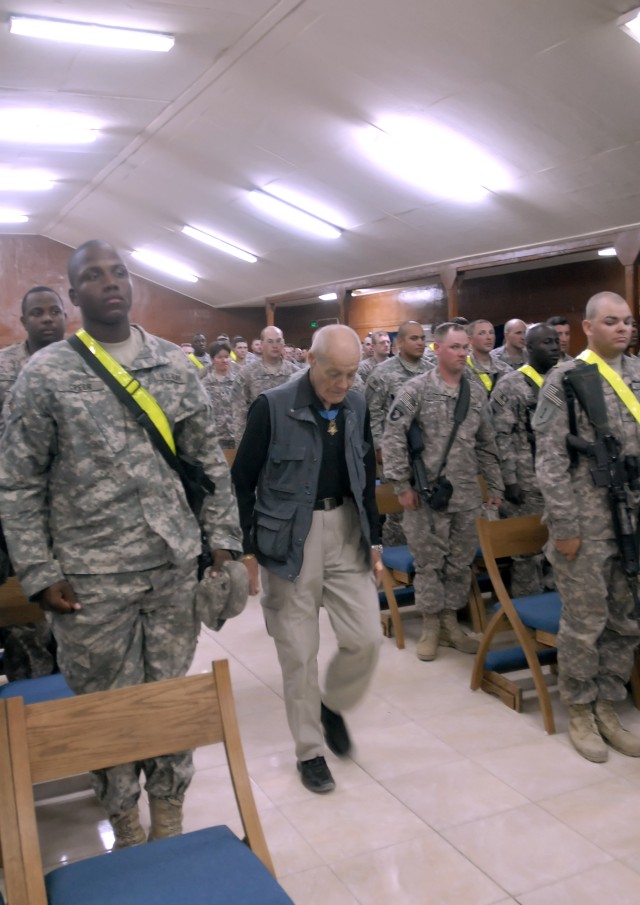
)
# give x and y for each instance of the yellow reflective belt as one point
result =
(538, 379)
(197, 363)
(486, 380)
(431, 346)
(615, 381)
(143, 398)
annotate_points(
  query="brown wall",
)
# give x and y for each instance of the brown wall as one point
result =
(27, 261)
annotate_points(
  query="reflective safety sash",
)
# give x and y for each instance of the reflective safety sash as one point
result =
(615, 381)
(485, 378)
(197, 363)
(141, 396)
(538, 379)
(432, 346)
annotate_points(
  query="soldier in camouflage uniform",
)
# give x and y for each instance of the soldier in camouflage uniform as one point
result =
(218, 382)
(513, 403)
(513, 352)
(29, 650)
(563, 328)
(381, 345)
(268, 372)
(598, 631)
(484, 369)
(380, 391)
(443, 543)
(98, 526)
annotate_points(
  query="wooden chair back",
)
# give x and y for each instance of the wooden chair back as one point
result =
(230, 456)
(15, 608)
(63, 738)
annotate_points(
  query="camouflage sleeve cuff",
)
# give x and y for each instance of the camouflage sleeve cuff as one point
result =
(36, 578)
(402, 487)
(563, 530)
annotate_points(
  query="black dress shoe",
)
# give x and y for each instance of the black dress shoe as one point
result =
(335, 732)
(315, 775)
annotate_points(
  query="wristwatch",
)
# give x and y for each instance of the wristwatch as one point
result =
(377, 548)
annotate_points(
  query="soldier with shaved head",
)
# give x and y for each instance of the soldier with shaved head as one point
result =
(599, 630)
(513, 352)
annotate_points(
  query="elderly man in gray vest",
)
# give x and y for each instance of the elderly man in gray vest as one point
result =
(305, 481)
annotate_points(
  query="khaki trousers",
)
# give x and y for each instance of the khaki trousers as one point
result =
(335, 575)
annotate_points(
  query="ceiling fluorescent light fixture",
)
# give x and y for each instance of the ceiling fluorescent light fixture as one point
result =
(293, 216)
(435, 159)
(630, 23)
(46, 127)
(165, 265)
(328, 297)
(14, 180)
(220, 244)
(10, 216)
(607, 252)
(90, 34)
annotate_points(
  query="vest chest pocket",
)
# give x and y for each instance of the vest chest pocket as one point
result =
(272, 532)
(284, 468)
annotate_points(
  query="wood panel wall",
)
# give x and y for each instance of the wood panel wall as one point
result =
(27, 261)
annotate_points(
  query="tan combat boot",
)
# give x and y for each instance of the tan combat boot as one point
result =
(613, 731)
(584, 735)
(451, 635)
(166, 817)
(427, 646)
(127, 830)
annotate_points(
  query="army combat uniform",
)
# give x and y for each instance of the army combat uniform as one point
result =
(381, 389)
(513, 403)
(12, 360)
(486, 377)
(219, 392)
(249, 384)
(443, 544)
(85, 497)
(597, 633)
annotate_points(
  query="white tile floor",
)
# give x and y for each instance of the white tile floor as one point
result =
(449, 799)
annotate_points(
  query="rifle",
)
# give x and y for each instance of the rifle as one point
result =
(415, 444)
(609, 469)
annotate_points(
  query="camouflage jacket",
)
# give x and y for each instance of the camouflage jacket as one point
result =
(82, 488)
(573, 506)
(496, 370)
(12, 360)
(426, 398)
(247, 386)
(382, 388)
(513, 403)
(219, 391)
(501, 354)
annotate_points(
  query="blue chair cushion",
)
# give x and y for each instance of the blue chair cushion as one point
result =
(398, 558)
(205, 867)
(35, 691)
(540, 611)
(404, 597)
(509, 659)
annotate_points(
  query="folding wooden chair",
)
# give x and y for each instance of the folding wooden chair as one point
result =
(534, 620)
(397, 571)
(41, 742)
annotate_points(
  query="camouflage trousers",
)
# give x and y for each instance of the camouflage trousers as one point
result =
(526, 571)
(133, 627)
(443, 545)
(597, 634)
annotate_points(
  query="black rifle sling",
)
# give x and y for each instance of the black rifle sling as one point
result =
(460, 413)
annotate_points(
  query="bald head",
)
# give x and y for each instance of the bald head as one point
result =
(87, 250)
(595, 303)
(514, 335)
(333, 359)
(334, 339)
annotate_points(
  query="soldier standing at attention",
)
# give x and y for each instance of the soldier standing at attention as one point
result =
(271, 370)
(513, 351)
(44, 319)
(481, 366)
(98, 525)
(513, 403)
(443, 542)
(598, 629)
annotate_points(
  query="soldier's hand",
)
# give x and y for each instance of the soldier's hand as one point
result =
(568, 546)
(376, 565)
(59, 597)
(513, 494)
(253, 569)
(220, 557)
(408, 499)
